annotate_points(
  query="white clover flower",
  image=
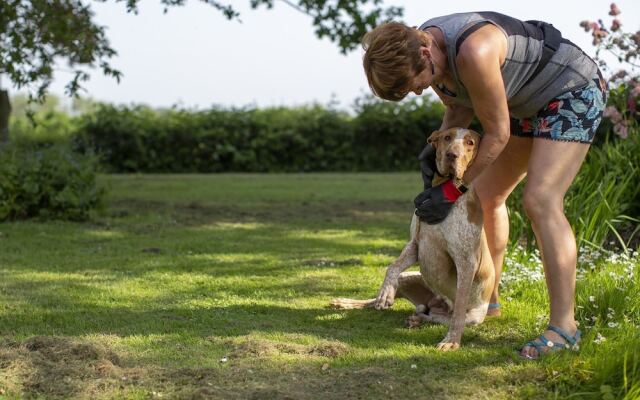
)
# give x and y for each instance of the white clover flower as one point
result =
(599, 339)
(612, 324)
(592, 298)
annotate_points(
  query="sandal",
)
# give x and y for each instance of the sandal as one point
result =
(571, 342)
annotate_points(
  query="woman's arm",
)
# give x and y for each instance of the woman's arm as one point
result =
(456, 116)
(479, 63)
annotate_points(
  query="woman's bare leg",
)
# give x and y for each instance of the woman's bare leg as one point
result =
(552, 167)
(493, 187)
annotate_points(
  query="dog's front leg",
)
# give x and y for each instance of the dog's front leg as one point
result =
(387, 292)
(466, 270)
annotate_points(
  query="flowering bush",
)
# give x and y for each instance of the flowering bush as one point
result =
(624, 85)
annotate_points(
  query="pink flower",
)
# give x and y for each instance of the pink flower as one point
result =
(599, 33)
(615, 25)
(631, 104)
(621, 130)
(614, 9)
(613, 114)
(635, 92)
(586, 25)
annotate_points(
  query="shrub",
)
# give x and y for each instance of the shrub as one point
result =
(602, 201)
(48, 182)
(389, 136)
(218, 140)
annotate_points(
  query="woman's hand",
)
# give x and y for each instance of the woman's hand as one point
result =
(434, 204)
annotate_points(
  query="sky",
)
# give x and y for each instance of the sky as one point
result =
(194, 57)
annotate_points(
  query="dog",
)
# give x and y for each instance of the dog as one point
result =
(456, 275)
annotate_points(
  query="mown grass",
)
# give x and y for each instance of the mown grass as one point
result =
(217, 286)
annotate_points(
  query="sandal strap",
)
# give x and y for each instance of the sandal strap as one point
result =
(572, 340)
(543, 341)
(535, 344)
(493, 306)
(554, 345)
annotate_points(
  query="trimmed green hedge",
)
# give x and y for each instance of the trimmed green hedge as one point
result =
(382, 136)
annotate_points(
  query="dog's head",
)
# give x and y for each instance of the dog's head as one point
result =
(455, 150)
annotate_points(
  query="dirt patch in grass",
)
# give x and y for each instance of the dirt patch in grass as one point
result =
(251, 346)
(62, 367)
(57, 367)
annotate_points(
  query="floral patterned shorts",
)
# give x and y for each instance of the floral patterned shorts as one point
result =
(572, 116)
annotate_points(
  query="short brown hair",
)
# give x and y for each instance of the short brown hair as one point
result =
(392, 58)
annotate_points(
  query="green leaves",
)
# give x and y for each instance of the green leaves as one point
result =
(47, 183)
(383, 136)
(34, 34)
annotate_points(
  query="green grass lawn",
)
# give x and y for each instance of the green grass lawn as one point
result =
(217, 286)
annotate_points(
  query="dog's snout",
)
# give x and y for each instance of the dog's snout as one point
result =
(451, 156)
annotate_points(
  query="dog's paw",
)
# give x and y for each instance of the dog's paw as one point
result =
(386, 297)
(446, 345)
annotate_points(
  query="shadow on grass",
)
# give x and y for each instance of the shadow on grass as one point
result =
(64, 367)
(54, 362)
(210, 281)
(193, 214)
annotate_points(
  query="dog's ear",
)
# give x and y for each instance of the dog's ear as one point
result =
(433, 138)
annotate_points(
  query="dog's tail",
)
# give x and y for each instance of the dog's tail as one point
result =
(348, 304)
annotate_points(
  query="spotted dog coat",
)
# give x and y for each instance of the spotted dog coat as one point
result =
(456, 275)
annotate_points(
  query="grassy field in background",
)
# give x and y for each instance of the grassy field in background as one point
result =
(217, 286)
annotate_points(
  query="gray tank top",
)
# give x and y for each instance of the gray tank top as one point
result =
(569, 68)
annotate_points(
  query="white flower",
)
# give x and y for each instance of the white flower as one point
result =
(612, 324)
(599, 339)
(592, 298)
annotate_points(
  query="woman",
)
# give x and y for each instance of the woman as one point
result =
(539, 100)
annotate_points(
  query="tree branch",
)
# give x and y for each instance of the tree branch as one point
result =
(296, 7)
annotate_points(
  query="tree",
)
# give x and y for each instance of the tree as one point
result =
(36, 34)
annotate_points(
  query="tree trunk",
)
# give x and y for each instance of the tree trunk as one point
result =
(5, 111)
